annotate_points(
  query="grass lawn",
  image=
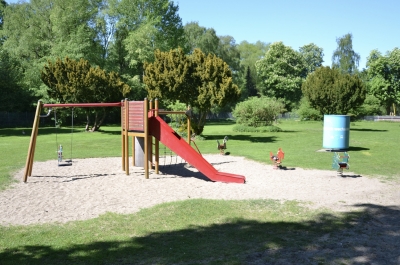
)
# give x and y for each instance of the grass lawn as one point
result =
(204, 231)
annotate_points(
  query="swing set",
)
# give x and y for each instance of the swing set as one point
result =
(60, 154)
(141, 121)
(35, 130)
(136, 113)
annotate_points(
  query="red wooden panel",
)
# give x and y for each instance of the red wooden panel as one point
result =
(136, 116)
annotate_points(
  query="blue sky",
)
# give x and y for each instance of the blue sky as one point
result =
(373, 24)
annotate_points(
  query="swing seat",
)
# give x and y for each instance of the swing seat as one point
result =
(65, 164)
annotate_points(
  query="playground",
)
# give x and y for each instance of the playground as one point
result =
(93, 186)
(96, 190)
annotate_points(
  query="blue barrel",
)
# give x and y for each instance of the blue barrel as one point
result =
(336, 132)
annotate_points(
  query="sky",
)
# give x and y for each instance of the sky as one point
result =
(374, 24)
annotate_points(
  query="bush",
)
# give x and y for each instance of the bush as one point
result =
(257, 112)
(370, 107)
(332, 92)
(244, 128)
(306, 112)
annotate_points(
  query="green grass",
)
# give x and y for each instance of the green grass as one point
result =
(206, 231)
(374, 146)
(187, 232)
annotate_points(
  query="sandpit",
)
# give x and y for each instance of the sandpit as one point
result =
(91, 187)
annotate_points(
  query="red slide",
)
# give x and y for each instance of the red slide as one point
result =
(166, 135)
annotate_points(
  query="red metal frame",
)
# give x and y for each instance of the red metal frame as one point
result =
(82, 105)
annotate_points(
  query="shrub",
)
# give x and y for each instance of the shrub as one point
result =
(306, 112)
(332, 92)
(244, 128)
(258, 112)
(370, 107)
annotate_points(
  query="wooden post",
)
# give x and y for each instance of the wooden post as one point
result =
(126, 137)
(32, 143)
(123, 131)
(188, 131)
(156, 142)
(133, 150)
(146, 136)
(151, 139)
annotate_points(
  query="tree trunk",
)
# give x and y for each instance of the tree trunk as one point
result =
(87, 120)
(98, 122)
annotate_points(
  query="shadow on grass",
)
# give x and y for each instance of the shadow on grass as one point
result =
(249, 138)
(357, 148)
(369, 236)
(367, 130)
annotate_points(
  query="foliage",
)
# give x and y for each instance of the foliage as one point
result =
(306, 112)
(249, 87)
(3, 5)
(13, 96)
(117, 36)
(313, 57)
(202, 38)
(38, 31)
(71, 81)
(249, 54)
(152, 25)
(258, 112)
(281, 72)
(370, 107)
(197, 80)
(251, 129)
(178, 121)
(384, 76)
(344, 57)
(332, 92)
(229, 53)
(208, 42)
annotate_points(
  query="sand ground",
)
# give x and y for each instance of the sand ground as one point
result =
(91, 187)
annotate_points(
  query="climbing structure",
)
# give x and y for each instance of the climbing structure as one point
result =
(153, 126)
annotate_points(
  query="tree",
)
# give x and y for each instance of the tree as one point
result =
(42, 30)
(140, 27)
(116, 35)
(250, 87)
(281, 72)
(332, 92)
(152, 25)
(13, 96)
(344, 57)
(78, 82)
(249, 54)
(198, 37)
(384, 76)
(3, 5)
(313, 57)
(198, 80)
